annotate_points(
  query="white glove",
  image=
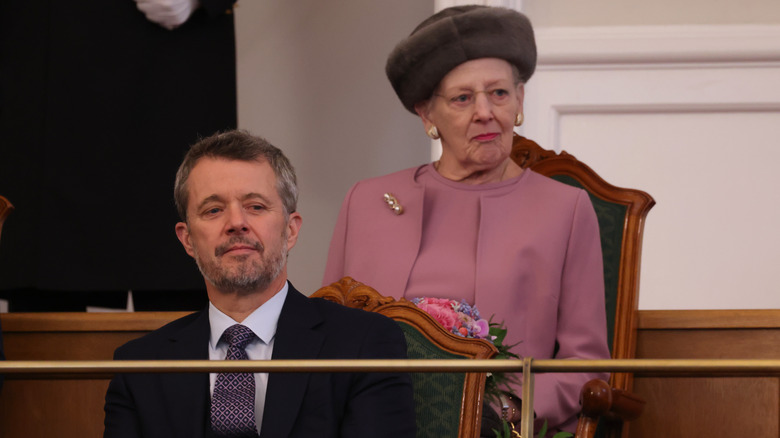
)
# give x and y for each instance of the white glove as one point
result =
(169, 14)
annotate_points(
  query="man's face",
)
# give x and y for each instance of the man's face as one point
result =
(236, 228)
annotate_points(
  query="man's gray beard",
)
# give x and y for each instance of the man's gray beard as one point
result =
(256, 276)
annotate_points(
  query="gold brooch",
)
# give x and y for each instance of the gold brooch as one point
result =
(393, 203)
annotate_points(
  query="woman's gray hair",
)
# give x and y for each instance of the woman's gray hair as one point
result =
(242, 146)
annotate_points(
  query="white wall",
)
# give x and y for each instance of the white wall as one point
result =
(680, 99)
(554, 13)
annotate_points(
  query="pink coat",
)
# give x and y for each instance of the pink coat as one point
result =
(539, 269)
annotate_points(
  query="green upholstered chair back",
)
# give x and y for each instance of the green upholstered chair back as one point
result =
(446, 404)
(610, 216)
(436, 396)
(621, 215)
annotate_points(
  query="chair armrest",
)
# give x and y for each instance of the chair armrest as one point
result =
(599, 400)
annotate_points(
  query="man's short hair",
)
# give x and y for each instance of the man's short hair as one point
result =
(241, 146)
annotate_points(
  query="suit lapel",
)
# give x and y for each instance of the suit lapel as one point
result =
(186, 394)
(295, 338)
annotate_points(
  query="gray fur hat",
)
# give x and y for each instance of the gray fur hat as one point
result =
(453, 36)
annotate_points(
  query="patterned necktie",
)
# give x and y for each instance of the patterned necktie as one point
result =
(233, 401)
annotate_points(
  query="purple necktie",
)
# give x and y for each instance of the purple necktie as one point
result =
(233, 401)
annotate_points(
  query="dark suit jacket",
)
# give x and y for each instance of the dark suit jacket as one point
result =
(297, 405)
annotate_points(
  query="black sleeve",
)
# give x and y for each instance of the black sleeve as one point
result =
(121, 419)
(384, 399)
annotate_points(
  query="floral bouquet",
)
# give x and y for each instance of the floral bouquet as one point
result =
(462, 319)
(457, 317)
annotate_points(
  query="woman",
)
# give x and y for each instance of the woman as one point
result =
(474, 225)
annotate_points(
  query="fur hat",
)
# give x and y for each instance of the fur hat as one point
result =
(453, 36)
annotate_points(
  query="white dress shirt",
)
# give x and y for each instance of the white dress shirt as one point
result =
(263, 323)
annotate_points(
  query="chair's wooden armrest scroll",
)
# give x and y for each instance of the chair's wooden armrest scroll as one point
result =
(599, 400)
(626, 406)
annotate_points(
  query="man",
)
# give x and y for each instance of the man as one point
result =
(237, 195)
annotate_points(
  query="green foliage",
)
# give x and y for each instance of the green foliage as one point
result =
(498, 382)
(497, 333)
(506, 433)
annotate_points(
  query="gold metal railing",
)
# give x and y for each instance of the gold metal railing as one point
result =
(660, 366)
(528, 367)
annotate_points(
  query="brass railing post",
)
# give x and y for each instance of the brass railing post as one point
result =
(527, 422)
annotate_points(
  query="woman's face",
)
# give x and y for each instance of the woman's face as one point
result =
(474, 109)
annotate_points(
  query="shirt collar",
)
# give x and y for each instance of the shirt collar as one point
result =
(262, 321)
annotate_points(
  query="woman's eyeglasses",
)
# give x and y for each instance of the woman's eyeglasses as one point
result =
(465, 99)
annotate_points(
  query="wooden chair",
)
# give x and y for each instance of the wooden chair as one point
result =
(621, 214)
(446, 404)
(5, 209)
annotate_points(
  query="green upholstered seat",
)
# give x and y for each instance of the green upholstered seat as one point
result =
(436, 396)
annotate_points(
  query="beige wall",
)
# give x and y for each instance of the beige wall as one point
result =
(311, 80)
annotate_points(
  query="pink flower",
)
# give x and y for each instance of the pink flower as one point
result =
(481, 329)
(441, 313)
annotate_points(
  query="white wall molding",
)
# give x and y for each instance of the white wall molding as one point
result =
(557, 112)
(574, 46)
(727, 107)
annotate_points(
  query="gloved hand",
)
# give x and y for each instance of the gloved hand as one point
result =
(169, 14)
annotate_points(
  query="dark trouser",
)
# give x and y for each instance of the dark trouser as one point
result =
(490, 420)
